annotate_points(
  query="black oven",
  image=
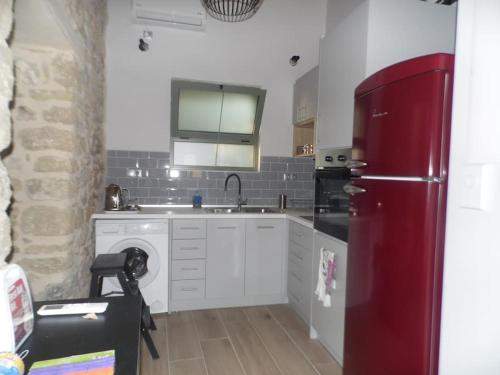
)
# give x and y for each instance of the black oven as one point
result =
(331, 203)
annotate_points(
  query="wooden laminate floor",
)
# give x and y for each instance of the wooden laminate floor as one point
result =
(263, 340)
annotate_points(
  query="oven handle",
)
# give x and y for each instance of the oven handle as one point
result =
(353, 190)
(353, 164)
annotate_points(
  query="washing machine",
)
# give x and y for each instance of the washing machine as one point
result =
(146, 244)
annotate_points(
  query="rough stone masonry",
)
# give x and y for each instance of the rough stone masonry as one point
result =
(57, 159)
(6, 88)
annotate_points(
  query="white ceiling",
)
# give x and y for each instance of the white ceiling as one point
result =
(35, 23)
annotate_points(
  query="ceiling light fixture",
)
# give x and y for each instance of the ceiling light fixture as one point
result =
(231, 10)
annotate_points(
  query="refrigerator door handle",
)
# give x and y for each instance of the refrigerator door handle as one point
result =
(353, 190)
(353, 164)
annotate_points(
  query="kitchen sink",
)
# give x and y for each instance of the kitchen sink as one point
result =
(253, 210)
(222, 210)
(261, 210)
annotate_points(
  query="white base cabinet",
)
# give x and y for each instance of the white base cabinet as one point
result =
(300, 249)
(225, 258)
(328, 322)
(264, 257)
(244, 260)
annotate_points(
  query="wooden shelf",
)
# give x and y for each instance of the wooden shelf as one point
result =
(304, 155)
(303, 134)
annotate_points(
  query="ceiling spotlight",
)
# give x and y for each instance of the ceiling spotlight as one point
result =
(294, 60)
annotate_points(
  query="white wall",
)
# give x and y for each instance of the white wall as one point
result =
(342, 68)
(371, 36)
(402, 29)
(470, 334)
(337, 10)
(255, 52)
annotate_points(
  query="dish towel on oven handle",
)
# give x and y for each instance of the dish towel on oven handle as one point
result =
(326, 277)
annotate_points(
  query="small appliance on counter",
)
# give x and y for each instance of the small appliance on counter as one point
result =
(114, 198)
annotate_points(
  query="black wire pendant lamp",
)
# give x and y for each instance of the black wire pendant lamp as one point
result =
(231, 10)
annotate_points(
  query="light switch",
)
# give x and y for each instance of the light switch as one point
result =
(478, 181)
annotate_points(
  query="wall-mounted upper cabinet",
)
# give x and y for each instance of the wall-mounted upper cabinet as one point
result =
(376, 34)
(305, 97)
(305, 110)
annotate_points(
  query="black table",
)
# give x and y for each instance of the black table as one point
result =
(61, 336)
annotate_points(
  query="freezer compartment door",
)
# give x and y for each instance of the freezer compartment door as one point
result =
(393, 278)
(402, 128)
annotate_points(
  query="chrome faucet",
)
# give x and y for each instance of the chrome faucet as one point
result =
(240, 200)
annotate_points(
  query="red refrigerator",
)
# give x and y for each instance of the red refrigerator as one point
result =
(397, 216)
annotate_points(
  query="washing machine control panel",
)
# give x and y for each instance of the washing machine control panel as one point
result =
(146, 228)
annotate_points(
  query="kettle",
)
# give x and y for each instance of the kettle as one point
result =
(114, 198)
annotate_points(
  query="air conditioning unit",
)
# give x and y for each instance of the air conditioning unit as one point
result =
(180, 14)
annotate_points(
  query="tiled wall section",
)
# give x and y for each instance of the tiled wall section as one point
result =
(151, 180)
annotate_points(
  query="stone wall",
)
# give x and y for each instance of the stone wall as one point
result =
(57, 159)
(6, 84)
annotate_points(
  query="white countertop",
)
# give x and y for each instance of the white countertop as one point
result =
(200, 213)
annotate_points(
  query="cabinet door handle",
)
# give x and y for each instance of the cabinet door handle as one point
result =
(265, 227)
(353, 164)
(189, 248)
(226, 227)
(353, 190)
(190, 228)
(189, 269)
(189, 289)
(294, 297)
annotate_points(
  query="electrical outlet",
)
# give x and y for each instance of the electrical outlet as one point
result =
(133, 172)
(289, 176)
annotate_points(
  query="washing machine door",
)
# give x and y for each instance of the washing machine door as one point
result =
(137, 261)
(142, 258)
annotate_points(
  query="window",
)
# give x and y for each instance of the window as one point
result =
(215, 126)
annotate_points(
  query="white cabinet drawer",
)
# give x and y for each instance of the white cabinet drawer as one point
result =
(299, 282)
(189, 249)
(300, 304)
(296, 273)
(188, 269)
(295, 298)
(301, 235)
(189, 228)
(188, 289)
(299, 255)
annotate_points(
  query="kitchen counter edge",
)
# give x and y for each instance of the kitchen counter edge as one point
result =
(191, 213)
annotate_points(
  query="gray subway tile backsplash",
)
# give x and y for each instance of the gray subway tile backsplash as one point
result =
(149, 178)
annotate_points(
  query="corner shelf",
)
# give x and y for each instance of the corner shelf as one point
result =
(303, 133)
